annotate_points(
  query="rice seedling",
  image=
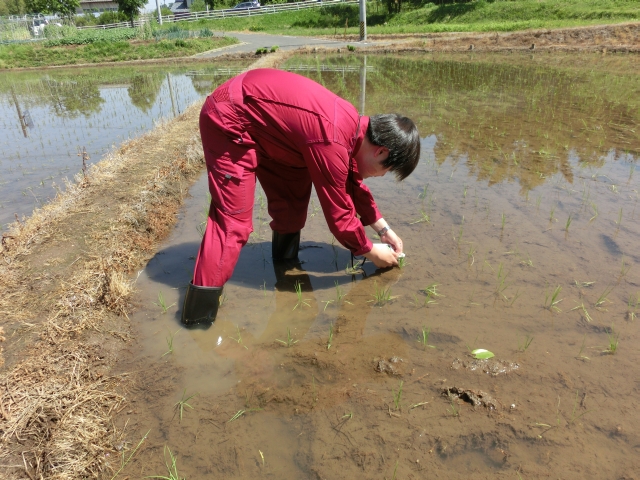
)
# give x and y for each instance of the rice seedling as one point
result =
(470, 255)
(538, 200)
(585, 313)
(239, 339)
(568, 224)
(172, 468)
(381, 296)
(526, 342)
(528, 262)
(612, 339)
(594, 208)
(222, 299)
(603, 298)
(632, 306)
(314, 393)
(624, 269)
(575, 417)
(353, 269)
(459, 233)
(551, 300)
(397, 396)
(395, 471)
(453, 409)
(501, 284)
(582, 347)
(584, 284)
(330, 340)
(503, 221)
(170, 343)
(261, 456)
(631, 170)
(290, 341)
(240, 413)
(422, 195)
(402, 262)
(123, 462)
(182, 403)
(162, 304)
(425, 218)
(619, 221)
(551, 214)
(424, 338)
(301, 301)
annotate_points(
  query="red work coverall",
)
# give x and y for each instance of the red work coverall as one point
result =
(291, 132)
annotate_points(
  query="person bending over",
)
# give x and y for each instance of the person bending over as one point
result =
(291, 133)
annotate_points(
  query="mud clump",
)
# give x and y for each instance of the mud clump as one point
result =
(476, 398)
(392, 366)
(489, 366)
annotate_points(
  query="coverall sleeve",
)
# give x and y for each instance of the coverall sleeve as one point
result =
(365, 204)
(327, 166)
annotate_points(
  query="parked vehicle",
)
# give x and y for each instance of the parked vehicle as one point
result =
(37, 26)
(247, 6)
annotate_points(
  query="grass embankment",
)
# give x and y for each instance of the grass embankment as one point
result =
(474, 16)
(40, 55)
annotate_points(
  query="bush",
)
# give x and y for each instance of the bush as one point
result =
(205, 32)
(84, 20)
(85, 37)
(180, 43)
(54, 31)
(108, 18)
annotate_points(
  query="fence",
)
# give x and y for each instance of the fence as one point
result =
(229, 13)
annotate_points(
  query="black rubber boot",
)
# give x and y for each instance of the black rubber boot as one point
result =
(285, 246)
(200, 305)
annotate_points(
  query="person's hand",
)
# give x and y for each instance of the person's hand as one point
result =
(392, 239)
(382, 256)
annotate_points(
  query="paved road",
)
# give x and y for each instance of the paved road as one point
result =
(252, 41)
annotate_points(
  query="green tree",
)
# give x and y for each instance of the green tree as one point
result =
(198, 6)
(66, 8)
(130, 8)
(14, 7)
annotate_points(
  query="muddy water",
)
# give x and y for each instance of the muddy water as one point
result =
(521, 227)
(47, 117)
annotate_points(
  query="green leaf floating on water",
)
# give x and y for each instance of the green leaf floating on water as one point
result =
(481, 353)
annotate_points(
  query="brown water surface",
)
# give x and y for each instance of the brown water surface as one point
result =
(521, 231)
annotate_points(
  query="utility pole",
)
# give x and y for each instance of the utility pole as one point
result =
(159, 12)
(363, 85)
(363, 20)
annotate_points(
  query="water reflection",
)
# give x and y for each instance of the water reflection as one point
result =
(507, 119)
(46, 116)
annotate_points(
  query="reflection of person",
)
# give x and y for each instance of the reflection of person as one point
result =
(291, 133)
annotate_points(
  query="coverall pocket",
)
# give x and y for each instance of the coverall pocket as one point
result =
(232, 187)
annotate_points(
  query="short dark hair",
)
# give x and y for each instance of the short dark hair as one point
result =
(400, 135)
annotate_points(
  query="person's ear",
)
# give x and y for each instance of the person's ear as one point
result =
(382, 153)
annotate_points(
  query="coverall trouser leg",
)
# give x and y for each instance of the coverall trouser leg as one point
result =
(229, 223)
(288, 190)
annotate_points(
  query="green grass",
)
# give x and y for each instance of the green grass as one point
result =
(38, 55)
(475, 16)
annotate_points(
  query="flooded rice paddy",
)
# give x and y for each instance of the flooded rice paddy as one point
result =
(47, 118)
(521, 227)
